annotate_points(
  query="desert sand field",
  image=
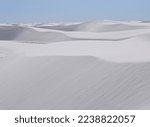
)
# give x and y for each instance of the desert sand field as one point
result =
(85, 65)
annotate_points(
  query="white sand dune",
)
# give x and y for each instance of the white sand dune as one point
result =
(93, 65)
(98, 26)
(26, 34)
(73, 83)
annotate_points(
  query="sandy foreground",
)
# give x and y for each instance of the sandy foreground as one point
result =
(90, 65)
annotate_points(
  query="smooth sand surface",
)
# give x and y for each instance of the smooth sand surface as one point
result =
(92, 65)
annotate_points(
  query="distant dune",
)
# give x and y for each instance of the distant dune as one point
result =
(91, 65)
(99, 26)
(26, 34)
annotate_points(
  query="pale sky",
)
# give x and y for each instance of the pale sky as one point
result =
(12, 11)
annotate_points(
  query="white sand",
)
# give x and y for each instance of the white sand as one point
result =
(93, 65)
